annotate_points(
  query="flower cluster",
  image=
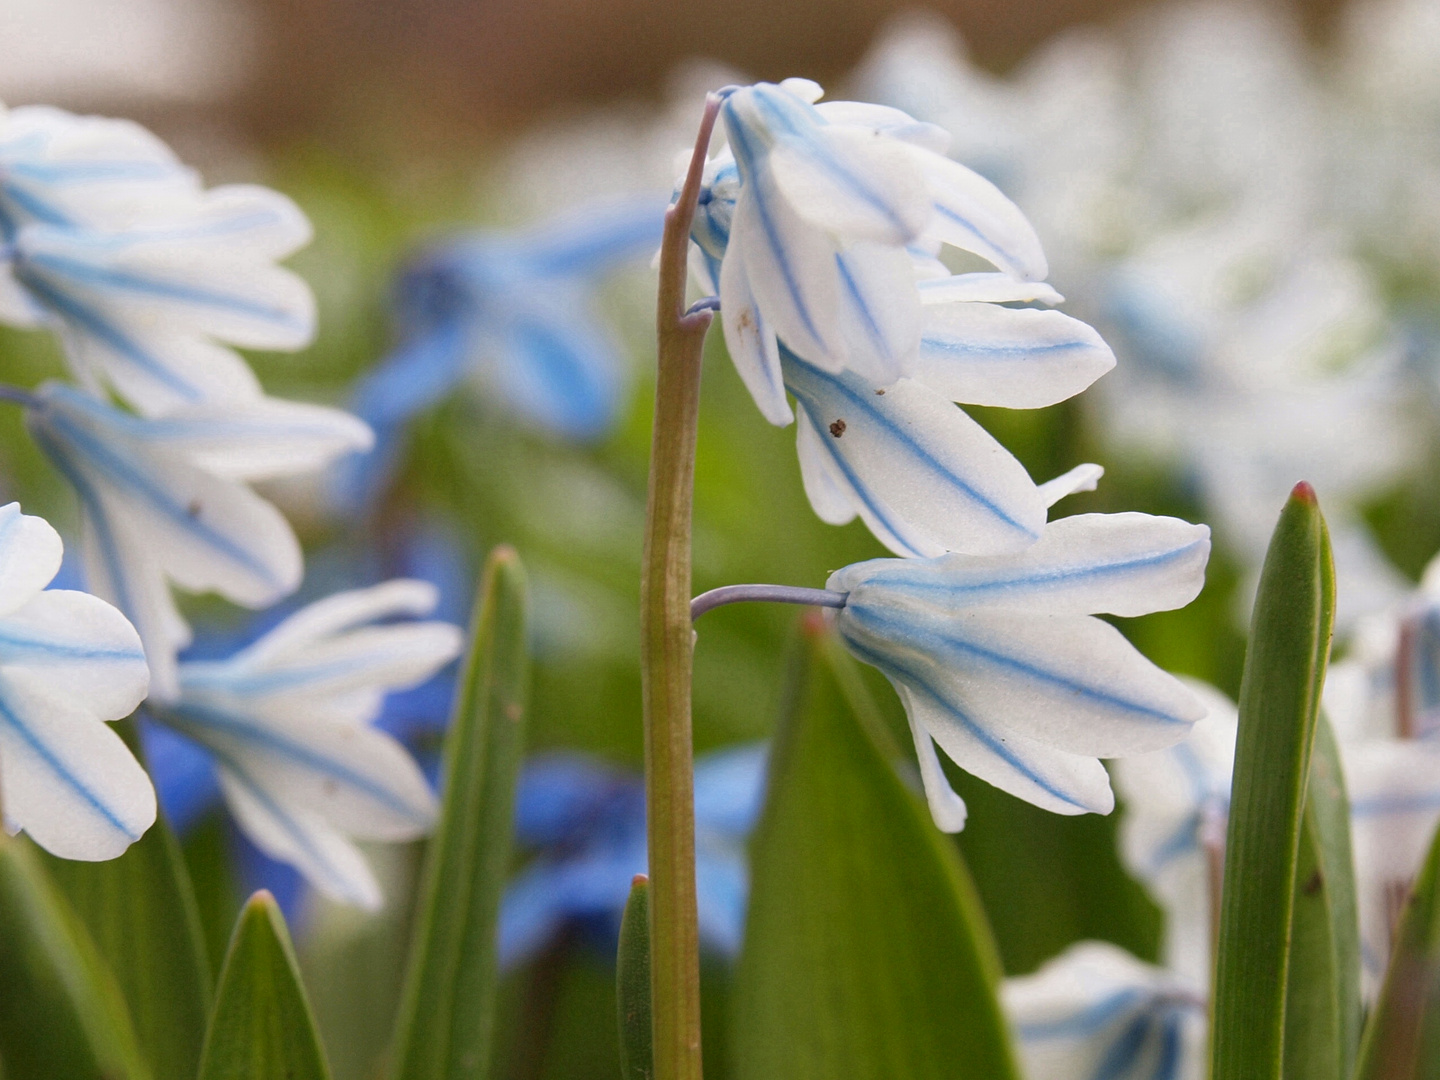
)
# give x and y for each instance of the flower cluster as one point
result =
(822, 226)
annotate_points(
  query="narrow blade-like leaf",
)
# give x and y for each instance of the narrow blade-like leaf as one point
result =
(140, 909)
(866, 954)
(262, 1027)
(632, 984)
(62, 1014)
(1279, 702)
(447, 1013)
(1322, 1003)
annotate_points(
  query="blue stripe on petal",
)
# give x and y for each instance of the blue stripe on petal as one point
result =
(1085, 1022)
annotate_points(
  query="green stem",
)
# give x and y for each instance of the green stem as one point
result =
(666, 643)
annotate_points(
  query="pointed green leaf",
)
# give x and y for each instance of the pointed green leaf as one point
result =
(62, 1015)
(866, 952)
(632, 984)
(447, 1013)
(1279, 703)
(1322, 1003)
(140, 911)
(1402, 1038)
(262, 1027)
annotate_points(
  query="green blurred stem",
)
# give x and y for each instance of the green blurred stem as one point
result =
(666, 644)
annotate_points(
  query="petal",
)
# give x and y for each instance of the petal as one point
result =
(722, 886)
(560, 368)
(331, 863)
(932, 477)
(1017, 358)
(830, 494)
(947, 809)
(1119, 564)
(69, 781)
(729, 788)
(986, 288)
(532, 912)
(751, 342)
(30, 554)
(245, 221)
(882, 119)
(81, 647)
(338, 613)
(972, 214)
(1080, 478)
(879, 313)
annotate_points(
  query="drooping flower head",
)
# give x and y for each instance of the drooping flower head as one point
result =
(1001, 661)
(68, 662)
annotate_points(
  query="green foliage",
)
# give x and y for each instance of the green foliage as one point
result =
(1322, 991)
(632, 985)
(262, 1028)
(62, 1015)
(1279, 705)
(866, 952)
(1402, 1039)
(140, 910)
(447, 1014)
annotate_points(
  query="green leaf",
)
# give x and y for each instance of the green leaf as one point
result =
(1402, 1039)
(1279, 704)
(866, 951)
(262, 1028)
(1322, 1003)
(62, 1015)
(447, 1016)
(140, 911)
(632, 984)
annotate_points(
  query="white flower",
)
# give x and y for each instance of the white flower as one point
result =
(832, 206)
(288, 721)
(1177, 804)
(166, 499)
(68, 662)
(1097, 1012)
(999, 660)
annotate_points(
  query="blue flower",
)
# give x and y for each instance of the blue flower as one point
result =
(517, 313)
(1000, 660)
(587, 822)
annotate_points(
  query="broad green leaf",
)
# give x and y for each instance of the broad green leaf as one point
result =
(1402, 1038)
(262, 1028)
(1279, 702)
(866, 952)
(1322, 1005)
(62, 1015)
(447, 1014)
(140, 911)
(632, 984)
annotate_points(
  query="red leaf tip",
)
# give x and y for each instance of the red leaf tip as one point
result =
(1304, 492)
(638, 880)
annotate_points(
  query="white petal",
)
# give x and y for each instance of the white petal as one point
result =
(854, 183)
(928, 473)
(879, 314)
(69, 781)
(246, 221)
(890, 121)
(946, 808)
(807, 90)
(1018, 358)
(340, 612)
(331, 863)
(1118, 564)
(1080, 478)
(30, 553)
(830, 495)
(972, 214)
(81, 647)
(986, 288)
(751, 342)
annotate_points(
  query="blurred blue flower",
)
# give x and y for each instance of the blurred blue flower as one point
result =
(516, 311)
(587, 821)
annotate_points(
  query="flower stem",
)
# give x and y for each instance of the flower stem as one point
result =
(666, 643)
(766, 594)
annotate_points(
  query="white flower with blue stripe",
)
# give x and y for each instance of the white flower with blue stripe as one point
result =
(1172, 835)
(1000, 660)
(167, 500)
(69, 662)
(288, 720)
(1097, 1013)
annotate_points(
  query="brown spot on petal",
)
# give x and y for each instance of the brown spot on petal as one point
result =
(837, 428)
(880, 393)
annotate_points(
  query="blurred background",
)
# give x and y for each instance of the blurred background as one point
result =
(1245, 199)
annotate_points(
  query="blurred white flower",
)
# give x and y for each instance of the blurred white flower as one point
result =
(167, 499)
(1177, 805)
(68, 662)
(1000, 660)
(1097, 1012)
(288, 720)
